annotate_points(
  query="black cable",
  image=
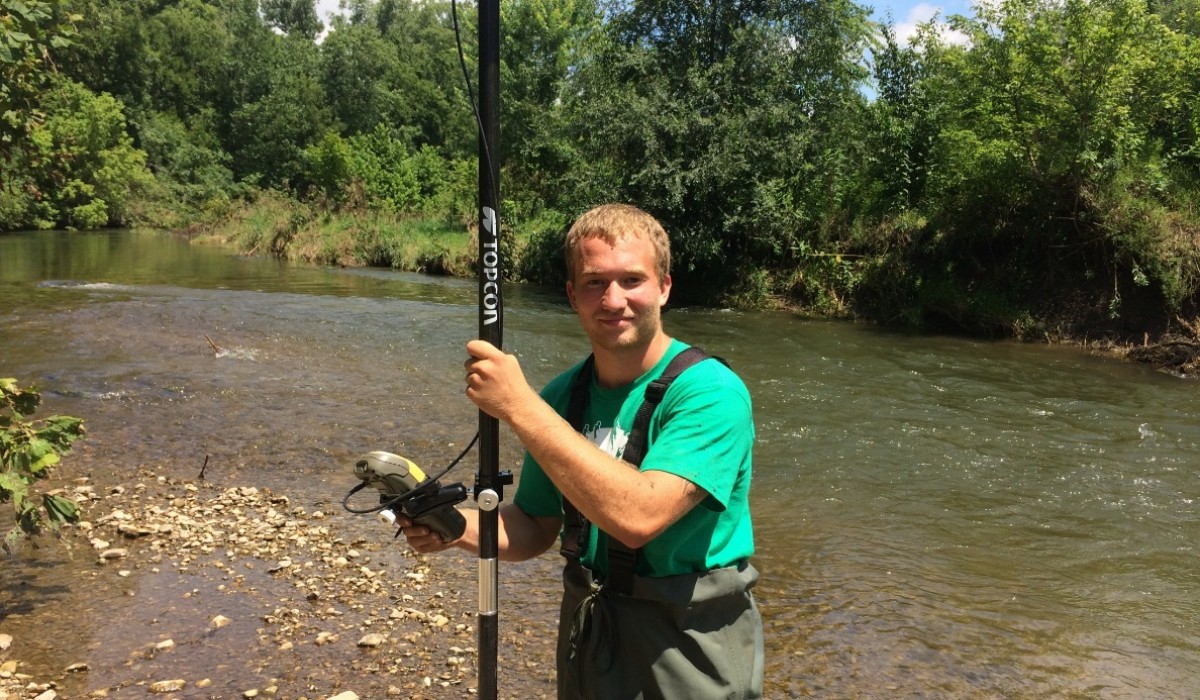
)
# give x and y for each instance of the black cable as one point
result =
(484, 146)
(458, 458)
(462, 62)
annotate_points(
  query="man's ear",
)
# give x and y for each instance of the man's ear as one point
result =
(665, 291)
(571, 294)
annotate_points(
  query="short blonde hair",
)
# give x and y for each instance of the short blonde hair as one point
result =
(614, 222)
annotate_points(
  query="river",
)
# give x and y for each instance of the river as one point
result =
(935, 517)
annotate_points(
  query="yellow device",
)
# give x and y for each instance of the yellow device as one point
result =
(432, 505)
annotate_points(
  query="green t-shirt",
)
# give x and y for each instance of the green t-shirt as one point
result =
(702, 431)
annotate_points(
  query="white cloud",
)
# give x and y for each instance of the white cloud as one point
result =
(326, 9)
(921, 13)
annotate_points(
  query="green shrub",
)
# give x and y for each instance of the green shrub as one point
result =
(29, 449)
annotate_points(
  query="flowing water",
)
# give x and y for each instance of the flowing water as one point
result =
(935, 517)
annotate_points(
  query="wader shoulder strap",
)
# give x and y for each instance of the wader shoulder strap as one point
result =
(621, 559)
(635, 446)
(575, 525)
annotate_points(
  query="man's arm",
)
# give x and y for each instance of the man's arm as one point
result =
(631, 505)
(520, 536)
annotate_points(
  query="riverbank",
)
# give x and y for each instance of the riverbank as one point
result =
(290, 229)
(285, 228)
(192, 589)
(1169, 352)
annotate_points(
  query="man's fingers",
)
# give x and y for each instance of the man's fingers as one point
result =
(481, 349)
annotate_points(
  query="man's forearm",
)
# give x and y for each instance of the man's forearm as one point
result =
(519, 537)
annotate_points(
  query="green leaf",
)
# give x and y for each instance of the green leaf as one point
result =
(20, 8)
(44, 462)
(11, 486)
(60, 509)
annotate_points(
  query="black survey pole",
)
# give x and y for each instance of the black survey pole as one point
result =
(489, 482)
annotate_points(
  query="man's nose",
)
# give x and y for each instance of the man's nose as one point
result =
(614, 296)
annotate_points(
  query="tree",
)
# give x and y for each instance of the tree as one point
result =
(1061, 159)
(359, 73)
(429, 76)
(901, 128)
(293, 17)
(273, 105)
(1181, 15)
(78, 167)
(543, 43)
(723, 119)
(28, 30)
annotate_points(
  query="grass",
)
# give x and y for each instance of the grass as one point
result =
(281, 227)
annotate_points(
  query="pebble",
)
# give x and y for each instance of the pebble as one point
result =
(167, 686)
(6, 641)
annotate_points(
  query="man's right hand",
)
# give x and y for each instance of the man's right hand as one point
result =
(426, 541)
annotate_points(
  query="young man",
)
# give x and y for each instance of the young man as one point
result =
(683, 623)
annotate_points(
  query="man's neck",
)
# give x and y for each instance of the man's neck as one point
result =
(616, 368)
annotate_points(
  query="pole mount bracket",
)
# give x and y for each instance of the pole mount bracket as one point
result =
(489, 490)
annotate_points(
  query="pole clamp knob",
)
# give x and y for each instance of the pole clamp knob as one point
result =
(488, 499)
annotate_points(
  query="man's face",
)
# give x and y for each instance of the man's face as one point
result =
(617, 292)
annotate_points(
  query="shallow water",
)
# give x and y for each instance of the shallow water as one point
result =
(935, 517)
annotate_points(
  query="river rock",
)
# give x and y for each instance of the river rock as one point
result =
(48, 695)
(5, 641)
(373, 639)
(135, 531)
(167, 686)
(348, 695)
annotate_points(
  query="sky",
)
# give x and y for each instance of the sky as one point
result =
(906, 14)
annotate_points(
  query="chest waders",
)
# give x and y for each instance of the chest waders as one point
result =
(694, 636)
